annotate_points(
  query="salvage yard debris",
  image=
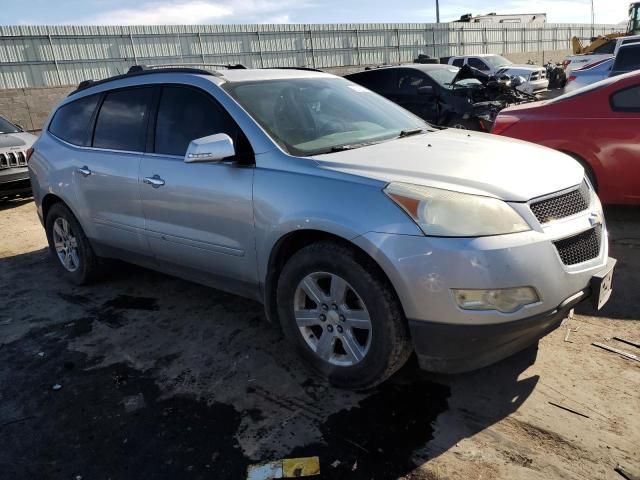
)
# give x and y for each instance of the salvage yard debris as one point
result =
(625, 354)
(285, 468)
(568, 409)
(628, 342)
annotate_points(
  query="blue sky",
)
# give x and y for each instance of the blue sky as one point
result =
(127, 12)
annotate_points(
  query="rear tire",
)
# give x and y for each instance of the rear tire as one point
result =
(363, 338)
(70, 247)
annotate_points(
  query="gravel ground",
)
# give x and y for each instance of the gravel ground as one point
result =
(162, 378)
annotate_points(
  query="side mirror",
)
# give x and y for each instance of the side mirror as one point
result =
(213, 148)
(425, 90)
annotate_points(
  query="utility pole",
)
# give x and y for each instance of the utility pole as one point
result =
(593, 19)
(438, 10)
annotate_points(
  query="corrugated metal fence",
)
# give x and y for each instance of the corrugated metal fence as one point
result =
(39, 56)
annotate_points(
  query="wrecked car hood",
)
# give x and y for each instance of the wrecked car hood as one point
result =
(463, 161)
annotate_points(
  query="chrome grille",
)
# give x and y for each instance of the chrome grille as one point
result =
(563, 205)
(13, 159)
(581, 247)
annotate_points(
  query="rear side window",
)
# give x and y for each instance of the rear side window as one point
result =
(627, 59)
(72, 122)
(478, 64)
(380, 81)
(458, 62)
(122, 120)
(408, 81)
(185, 114)
(627, 100)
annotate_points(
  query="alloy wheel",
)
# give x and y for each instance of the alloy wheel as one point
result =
(66, 244)
(332, 319)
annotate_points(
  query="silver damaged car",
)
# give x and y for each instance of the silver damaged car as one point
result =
(367, 234)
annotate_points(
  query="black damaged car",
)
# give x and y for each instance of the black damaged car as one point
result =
(443, 94)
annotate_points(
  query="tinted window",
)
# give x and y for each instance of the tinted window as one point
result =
(627, 59)
(607, 48)
(626, 100)
(122, 120)
(477, 63)
(72, 122)
(184, 115)
(408, 81)
(376, 80)
(458, 62)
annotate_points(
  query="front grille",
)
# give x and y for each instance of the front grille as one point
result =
(563, 205)
(13, 159)
(581, 247)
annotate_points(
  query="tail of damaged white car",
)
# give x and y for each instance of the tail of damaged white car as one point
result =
(367, 234)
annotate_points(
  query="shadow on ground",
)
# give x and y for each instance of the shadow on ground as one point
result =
(161, 378)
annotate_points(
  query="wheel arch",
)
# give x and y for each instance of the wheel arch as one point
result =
(292, 242)
(591, 174)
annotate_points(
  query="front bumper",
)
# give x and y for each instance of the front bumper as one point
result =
(446, 348)
(14, 181)
(424, 270)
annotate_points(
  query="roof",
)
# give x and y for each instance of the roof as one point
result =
(233, 74)
(269, 74)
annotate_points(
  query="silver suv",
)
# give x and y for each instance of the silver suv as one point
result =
(366, 233)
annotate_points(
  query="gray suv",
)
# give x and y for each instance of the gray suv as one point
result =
(366, 233)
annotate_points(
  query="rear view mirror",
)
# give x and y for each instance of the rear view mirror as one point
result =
(425, 90)
(213, 148)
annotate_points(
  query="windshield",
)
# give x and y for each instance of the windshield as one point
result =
(8, 127)
(310, 116)
(497, 61)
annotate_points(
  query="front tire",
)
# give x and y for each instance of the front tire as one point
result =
(342, 316)
(70, 247)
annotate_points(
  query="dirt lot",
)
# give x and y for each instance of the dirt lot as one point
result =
(161, 378)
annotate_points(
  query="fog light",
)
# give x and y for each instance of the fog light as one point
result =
(506, 300)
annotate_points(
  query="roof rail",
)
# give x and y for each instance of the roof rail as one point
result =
(202, 66)
(137, 70)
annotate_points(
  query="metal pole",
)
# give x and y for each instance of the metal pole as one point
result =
(437, 11)
(593, 19)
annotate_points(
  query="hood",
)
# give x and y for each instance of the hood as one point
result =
(524, 67)
(16, 141)
(463, 161)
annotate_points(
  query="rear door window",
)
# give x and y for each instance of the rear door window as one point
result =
(380, 81)
(458, 62)
(478, 64)
(186, 114)
(122, 120)
(73, 121)
(627, 100)
(627, 59)
(409, 81)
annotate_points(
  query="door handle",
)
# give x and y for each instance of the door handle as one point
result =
(154, 181)
(84, 171)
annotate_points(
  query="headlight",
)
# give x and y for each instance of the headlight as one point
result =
(505, 300)
(444, 213)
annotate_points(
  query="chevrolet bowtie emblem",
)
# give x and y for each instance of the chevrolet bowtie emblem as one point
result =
(595, 219)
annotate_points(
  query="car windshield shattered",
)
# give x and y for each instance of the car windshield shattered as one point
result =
(7, 127)
(312, 116)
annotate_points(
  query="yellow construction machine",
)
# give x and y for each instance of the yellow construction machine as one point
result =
(606, 43)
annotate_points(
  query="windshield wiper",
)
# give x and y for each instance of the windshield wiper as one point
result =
(408, 133)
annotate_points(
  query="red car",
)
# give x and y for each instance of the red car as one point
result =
(598, 125)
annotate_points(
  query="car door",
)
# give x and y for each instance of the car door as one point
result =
(407, 95)
(620, 140)
(106, 175)
(199, 216)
